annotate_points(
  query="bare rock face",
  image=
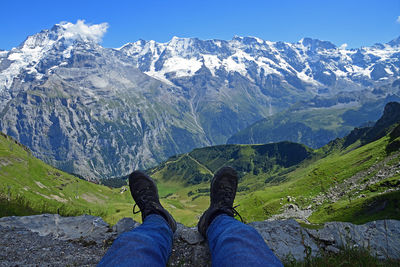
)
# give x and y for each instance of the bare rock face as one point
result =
(52, 240)
(380, 238)
(102, 112)
(88, 227)
(287, 239)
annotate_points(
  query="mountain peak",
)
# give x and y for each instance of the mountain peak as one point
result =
(68, 33)
(395, 42)
(314, 44)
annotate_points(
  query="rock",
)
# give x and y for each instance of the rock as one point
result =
(189, 248)
(52, 240)
(191, 236)
(124, 225)
(286, 239)
(290, 199)
(380, 238)
(22, 247)
(332, 249)
(123, 189)
(85, 227)
(292, 211)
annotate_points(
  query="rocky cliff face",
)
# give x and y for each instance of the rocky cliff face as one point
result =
(102, 112)
(85, 109)
(52, 240)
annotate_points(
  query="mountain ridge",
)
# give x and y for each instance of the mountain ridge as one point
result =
(76, 104)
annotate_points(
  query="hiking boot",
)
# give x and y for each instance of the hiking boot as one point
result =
(222, 193)
(145, 194)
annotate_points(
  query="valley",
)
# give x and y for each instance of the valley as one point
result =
(354, 179)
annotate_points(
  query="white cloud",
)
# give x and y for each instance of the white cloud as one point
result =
(343, 46)
(80, 30)
(398, 19)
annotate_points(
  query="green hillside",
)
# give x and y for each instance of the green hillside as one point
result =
(29, 186)
(262, 194)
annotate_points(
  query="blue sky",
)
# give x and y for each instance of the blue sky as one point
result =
(355, 22)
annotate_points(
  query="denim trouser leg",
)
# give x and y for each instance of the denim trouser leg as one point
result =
(233, 243)
(147, 245)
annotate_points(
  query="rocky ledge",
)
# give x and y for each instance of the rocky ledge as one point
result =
(52, 240)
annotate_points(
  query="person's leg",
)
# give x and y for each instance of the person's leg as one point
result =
(233, 243)
(149, 244)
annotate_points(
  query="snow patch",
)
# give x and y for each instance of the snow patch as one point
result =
(212, 62)
(389, 71)
(304, 77)
(182, 66)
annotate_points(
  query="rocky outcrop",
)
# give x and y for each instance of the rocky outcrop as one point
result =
(52, 240)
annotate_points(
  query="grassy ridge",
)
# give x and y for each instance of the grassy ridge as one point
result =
(29, 186)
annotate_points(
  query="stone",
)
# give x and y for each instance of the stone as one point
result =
(380, 238)
(86, 227)
(191, 236)
(332, 249)
(124, 225)
(286, 239)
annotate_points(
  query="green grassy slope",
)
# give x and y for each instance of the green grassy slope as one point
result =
(29, 186)
(306, 183)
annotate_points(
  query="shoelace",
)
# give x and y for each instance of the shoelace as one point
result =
(235, 212)
(228, 192)
(135, 212)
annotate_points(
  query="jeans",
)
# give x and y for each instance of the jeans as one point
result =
(232, 243)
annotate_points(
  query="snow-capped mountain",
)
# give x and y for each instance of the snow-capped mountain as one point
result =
(102, 112)
(32, 56)
(311, 65)
(87, 110)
